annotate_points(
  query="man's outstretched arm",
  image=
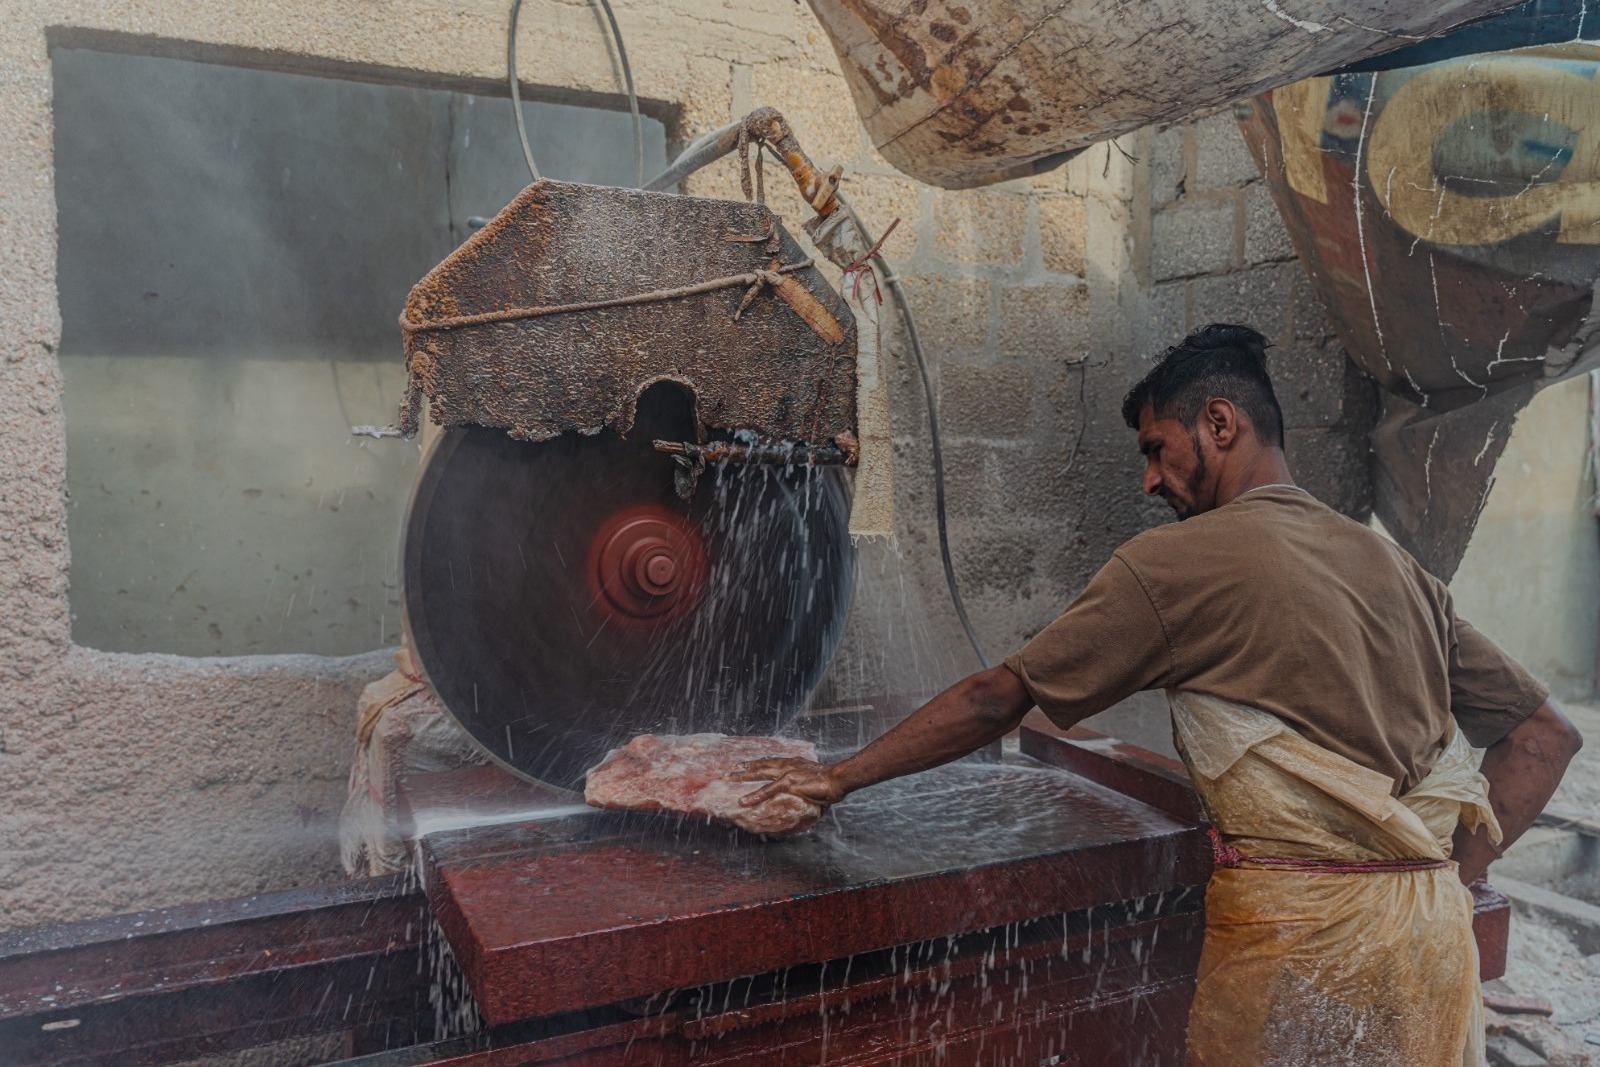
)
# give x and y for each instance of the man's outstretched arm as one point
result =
(977, 710)
(1523, 769)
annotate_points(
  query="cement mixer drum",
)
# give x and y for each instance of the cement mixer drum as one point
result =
(961, 94)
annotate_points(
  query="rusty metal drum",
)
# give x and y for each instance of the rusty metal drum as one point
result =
(1448, 214)
(960, 94)
(1448, 217)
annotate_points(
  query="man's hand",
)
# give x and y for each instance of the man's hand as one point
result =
(800, 777)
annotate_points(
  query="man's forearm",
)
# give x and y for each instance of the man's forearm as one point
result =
(1523, 768)
(977, 710)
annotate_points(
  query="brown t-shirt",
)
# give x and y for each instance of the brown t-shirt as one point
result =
(1277, 601)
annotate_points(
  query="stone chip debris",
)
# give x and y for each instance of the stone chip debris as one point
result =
(689, 775)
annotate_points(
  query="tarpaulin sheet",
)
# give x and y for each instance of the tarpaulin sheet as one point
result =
(1305, 966)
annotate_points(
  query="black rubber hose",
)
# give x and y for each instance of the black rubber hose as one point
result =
(633, 97)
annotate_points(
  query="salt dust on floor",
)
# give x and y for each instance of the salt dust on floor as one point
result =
(1541, 959)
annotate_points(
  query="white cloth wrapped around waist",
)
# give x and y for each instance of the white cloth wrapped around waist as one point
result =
(1272, 792)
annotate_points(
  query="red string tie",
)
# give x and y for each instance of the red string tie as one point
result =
(1225, 855)
(854, 271)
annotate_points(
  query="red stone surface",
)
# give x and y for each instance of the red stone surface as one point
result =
(1112, 994)
(690, 775)
(590, 910)
(1160, 781)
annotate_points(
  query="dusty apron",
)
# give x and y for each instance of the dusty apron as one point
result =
(1306, 965)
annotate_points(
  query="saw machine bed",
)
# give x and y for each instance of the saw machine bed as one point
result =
(1046, 909)
(973, 907)
(578, 911)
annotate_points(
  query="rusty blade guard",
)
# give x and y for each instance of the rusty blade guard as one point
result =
(574, 299)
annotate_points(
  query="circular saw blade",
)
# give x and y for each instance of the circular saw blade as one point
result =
(562, 599)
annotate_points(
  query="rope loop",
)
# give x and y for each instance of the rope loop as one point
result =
(755, 279)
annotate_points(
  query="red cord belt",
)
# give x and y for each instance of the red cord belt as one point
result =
(1226, 855)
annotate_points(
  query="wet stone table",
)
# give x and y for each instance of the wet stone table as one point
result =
(583, 910)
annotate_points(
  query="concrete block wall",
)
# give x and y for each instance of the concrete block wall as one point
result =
(132, 780)
(1215, 250)
(999, 283)
(1530, 578)
(1177, 231)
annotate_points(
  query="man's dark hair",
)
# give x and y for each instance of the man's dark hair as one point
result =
(1216, 361)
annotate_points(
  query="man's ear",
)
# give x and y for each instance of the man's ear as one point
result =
(1221, 422)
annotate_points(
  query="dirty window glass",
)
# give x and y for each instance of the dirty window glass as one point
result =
(235, 247)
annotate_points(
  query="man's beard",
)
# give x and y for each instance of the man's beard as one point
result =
(1191, 508)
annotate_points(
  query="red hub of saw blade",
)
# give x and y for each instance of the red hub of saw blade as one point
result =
(647, 565)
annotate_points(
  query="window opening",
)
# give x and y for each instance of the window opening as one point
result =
(235, 246)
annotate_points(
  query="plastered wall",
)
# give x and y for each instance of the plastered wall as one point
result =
(137, 780)
(232, 246)
(1531, 575)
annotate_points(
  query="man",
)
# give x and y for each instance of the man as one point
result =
(1323, 694)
